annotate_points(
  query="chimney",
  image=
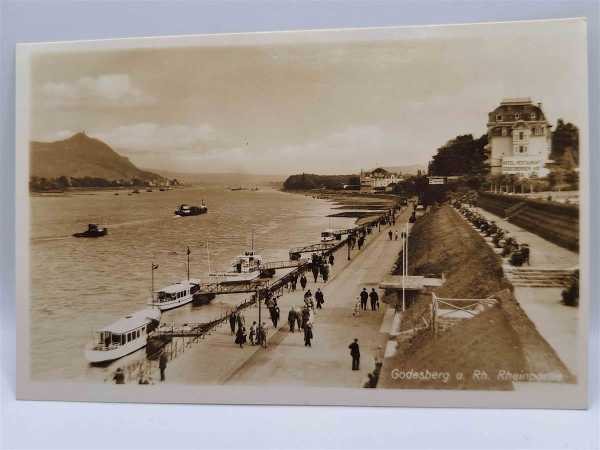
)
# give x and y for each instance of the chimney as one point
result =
(540, 105)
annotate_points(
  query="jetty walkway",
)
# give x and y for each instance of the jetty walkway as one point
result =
(286, 361)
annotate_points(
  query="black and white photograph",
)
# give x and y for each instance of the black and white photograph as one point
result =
(380, 216)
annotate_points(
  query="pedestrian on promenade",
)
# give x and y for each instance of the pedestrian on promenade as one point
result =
(361, 241)
(252, 334)
(274, 315)
(240, 337)
(303, 281)
(325, 272)
(308, 335)
(374, 299)
(262, 335)
(396, 235)
(378, 360)
(162, 365)
(294, 282)
(355, 354)
(292, 319)
(390, 234)
(298, 318)
(241, 320)
(119, 376)
(331, 259)
(305, 316)
(364, 296)
(319, 298)
(232, 322)
(315, 270)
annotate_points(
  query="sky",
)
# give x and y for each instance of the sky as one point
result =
(314, 102)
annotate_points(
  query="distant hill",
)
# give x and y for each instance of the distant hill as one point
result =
(83, 156)
(307, 181)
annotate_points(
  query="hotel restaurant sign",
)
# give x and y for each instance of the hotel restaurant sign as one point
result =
(523, 165)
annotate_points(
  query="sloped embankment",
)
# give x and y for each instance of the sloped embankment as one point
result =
(477, 353)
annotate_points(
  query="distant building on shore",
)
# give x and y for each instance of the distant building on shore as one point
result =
(519, 139)
(378, 179)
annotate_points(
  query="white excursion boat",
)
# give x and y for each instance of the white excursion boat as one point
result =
(246, 268)
(123, 337)
(329, 235)
(175, 295)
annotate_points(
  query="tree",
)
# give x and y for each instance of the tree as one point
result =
(565, 145)
(462, 155)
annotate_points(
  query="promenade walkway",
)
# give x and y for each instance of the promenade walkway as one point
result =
(286, 361)
(557, 323)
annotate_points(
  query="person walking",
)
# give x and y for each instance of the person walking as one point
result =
(331, 259)
(240, 336)
(319, 298)
(298, 318)
(119, 376)
(262, 332)
(232, 322)
(325, 272)
(315, 269)
(274, 310)
(303, 281)
(364, 296)
(162, 365)
(252, 334)
(374, 299)
(396, 235)
(292, 319)
(308, 335)
(390, 234)
(294, 282)
(355, 354)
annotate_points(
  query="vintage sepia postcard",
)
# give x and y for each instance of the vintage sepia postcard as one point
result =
(388, 216)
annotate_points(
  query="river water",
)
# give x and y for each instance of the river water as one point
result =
(79, 285)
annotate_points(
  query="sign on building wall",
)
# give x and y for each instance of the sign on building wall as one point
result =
(524, 166)
(436, 180)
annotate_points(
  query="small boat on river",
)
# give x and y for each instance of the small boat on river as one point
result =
(93, 231)
(123, 337)
(187, 210)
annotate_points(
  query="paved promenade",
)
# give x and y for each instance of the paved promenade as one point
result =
(557, 323)
(286, 361)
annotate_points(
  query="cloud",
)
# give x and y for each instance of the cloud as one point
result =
(109, 90)
(342, 151)
(152, 137)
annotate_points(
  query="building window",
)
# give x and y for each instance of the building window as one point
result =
(504, 131)
(499, 117)
(522, 149)
(533, 116)
(517, 116)
(520, 135)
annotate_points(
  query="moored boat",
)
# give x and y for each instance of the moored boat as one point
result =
(246, 268)
(93, 231)
(175, 295)
(123, 337)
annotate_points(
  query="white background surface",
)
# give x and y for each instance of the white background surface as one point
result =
(87, 425)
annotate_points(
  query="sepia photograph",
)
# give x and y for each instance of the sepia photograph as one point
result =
(380, 217)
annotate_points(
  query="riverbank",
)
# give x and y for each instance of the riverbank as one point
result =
(286, 360)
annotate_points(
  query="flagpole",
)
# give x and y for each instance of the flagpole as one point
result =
(188, 264)
(152, 270)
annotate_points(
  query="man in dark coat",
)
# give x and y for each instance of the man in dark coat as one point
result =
(232, 322)
(364, 296)
(240, 337)
(162, 365)
(319, 298)
(308, 335)
(355, 353)
(303, 281)
(331, 259)
(374, 299)
(292, 319)
(315, 270)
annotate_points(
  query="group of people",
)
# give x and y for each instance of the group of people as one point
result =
(365, 296)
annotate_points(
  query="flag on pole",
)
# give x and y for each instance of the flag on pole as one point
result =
(154, 266)
(188, 251)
